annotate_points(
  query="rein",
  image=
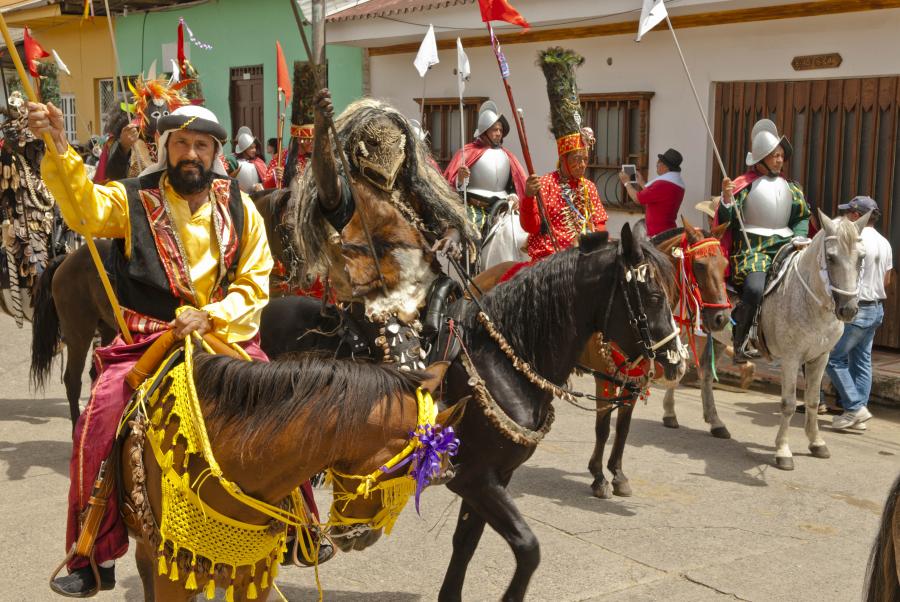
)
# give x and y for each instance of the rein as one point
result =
(827, 277)
(691, 302)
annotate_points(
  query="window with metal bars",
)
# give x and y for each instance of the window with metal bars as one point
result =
(621, 123)
(67, 105)
(442, 125)
(846, 139)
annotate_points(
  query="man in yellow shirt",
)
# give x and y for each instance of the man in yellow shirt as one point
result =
(190, 254)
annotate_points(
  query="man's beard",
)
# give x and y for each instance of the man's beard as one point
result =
(185, 182)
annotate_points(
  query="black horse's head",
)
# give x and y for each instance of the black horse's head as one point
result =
(637, 316)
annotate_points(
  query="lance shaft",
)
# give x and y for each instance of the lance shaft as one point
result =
(345, 164)
(523, 141)
(57, 160)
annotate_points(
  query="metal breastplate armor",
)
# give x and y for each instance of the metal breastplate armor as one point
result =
(247, 176)
(490, 175)
(767, 208)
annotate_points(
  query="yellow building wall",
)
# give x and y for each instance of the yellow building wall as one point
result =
(86, 50)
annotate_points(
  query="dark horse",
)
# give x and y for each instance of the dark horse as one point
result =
(884, 562)
(70, 305)
(545, 315)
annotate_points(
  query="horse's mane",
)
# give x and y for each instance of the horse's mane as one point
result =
(883, 583)
(265, 397)
(534, 309)
(671, 233)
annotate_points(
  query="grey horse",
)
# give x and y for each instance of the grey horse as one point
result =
(801, 319)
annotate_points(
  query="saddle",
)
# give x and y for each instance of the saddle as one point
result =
(780, 265)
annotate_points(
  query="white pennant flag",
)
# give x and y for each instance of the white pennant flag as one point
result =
(652, 13)
(462, 67)
(428, 54)
(59, 63)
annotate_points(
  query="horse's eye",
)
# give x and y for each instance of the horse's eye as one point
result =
(830, 257)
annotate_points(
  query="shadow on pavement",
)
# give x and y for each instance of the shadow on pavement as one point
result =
(134, 592)
(19, 457)
(34, 410)
(560, 486)
(727, 460)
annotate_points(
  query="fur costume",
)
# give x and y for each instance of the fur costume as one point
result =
(27, 212)
(407, 204)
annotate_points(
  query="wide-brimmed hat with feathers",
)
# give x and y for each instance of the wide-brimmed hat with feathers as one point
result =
(558, 65)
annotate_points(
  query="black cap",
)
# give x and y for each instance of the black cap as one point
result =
(671, 159)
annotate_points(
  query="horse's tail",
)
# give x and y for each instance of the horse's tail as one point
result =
(45, 332)
(883, 582)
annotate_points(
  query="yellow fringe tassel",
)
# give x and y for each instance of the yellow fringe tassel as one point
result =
(211, 589)
(191, 583)
(251, 591)
(163, 567)
(173, 575)
(157, 416)
(264, 582)
(229, 594)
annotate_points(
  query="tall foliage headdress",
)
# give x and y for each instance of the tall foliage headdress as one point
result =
(302, 116)
(558, 65)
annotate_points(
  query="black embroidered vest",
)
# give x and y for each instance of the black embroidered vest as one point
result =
(152, 281)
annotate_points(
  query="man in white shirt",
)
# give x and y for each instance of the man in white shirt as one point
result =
(850, 363)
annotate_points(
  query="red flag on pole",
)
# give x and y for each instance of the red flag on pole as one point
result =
(501, 10)
(33, 52)
(182, 68)
(284, 76)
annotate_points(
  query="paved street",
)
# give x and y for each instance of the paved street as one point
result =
(709, 520)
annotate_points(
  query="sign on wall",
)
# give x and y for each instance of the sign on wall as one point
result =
(817, 61)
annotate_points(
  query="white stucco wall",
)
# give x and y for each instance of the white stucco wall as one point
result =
(867, 42)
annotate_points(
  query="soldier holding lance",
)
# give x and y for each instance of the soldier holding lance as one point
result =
(491, 174)
(775, 213)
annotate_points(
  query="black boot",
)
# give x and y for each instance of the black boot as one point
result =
(80, 583)
(743, 322)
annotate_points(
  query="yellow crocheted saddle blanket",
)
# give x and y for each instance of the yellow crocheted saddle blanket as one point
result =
(188, 526)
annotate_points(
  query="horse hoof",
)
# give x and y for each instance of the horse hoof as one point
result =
(720, 432)
(784, 463)
(601, 490)
(670, 422)
(622, 489)
(819, 451)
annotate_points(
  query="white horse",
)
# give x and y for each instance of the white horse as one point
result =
(801, 319)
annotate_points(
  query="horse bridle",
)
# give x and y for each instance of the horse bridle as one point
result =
(631, 292)
(824, 267)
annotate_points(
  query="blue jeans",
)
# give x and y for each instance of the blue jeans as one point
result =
(850, 362)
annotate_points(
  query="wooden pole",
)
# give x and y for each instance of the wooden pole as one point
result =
(54, 154)
(523, 141)
(345, 164)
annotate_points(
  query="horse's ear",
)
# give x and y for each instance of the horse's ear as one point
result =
(719, 231)
(827, 223)
(435, 376)
(863, 221)
(630, 245)
(640, 229)
(593, 241)
(692, 232)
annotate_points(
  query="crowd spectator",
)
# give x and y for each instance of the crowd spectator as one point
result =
(662, 195)
(850, 363)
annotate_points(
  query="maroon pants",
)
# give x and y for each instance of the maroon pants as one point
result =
(94, 436)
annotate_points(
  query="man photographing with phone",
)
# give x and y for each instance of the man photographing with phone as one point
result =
(661, 196)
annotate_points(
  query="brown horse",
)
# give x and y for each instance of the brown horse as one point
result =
(271, 427)
(706, 276)
(70, 305)
(884, 562)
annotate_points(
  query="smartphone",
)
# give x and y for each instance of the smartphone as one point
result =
(631, 170)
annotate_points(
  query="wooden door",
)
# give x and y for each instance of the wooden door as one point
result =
(245, 98)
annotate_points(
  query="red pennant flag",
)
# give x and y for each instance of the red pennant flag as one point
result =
(33, 52)
(182, 68)
(501, 10)
(284, 76)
